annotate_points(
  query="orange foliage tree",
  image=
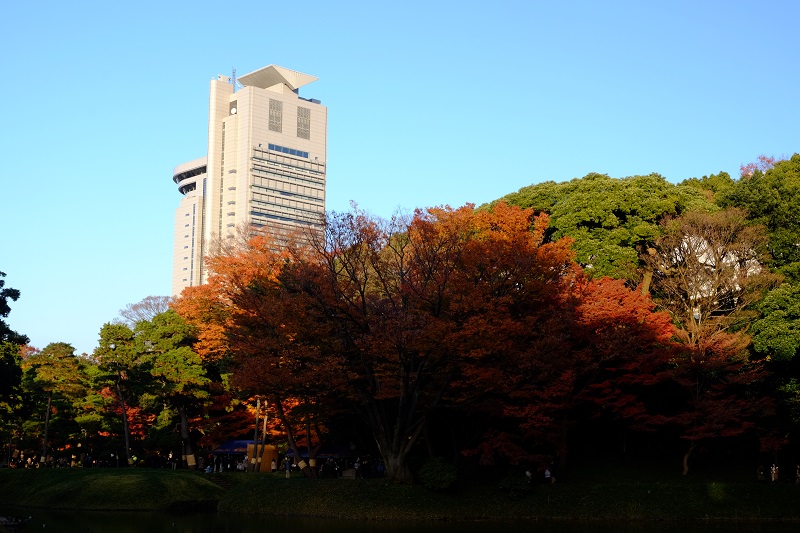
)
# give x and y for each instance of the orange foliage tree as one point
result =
(383, 315)
(592, 350)
(409, 308)
(247, 316)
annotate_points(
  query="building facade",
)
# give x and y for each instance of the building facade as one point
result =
(265, 168)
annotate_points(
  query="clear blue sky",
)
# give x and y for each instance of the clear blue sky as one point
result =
(429, 102)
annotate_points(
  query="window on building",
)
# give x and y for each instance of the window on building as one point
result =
(275, 115)
(290, 151)
(303, 123)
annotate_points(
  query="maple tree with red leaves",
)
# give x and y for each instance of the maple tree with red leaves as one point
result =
(624, 346)
(384, 315)
(595, 350)
(246, 314)
(226, 417)
(379, 295)
(454, 292)
(715, 379)
(513, 294)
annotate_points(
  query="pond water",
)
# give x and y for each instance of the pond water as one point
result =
(87, 522)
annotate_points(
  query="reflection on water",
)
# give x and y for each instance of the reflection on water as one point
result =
(73, 522)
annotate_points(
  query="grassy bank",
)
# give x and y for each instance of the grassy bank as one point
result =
(107, 489)
(376, 499)
(620, 498)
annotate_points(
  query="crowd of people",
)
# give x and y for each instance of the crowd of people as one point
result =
(774, 473)
(328, 467)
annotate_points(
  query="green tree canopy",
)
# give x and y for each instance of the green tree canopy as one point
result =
(777, 332)
(54, 385)
(6, 294)
(10, 377)
(164, 343)
(57, 369)
(179, 378)
(611, 220)
(10, 344)
(120, 368)
(772, 198)
(777, 335)
(714, 186)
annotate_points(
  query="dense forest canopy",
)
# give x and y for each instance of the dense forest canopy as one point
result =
(611, 220)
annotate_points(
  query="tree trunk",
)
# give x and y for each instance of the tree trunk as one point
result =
(394, 453)
(299, 461)
(252, 467)
(43, 459)
(397, 469)
(313, 450)
(686, 458)
(187, 441)
(260, 449)
(647, 279)
(126, 429)
(301, 464)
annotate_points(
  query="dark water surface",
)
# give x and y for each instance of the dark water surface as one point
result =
(73, 522)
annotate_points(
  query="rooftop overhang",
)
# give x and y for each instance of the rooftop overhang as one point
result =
(271, 75)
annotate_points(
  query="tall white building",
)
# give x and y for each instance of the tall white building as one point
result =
(265, 166)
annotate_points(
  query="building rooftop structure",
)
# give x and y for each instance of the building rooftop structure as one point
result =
(265, 167)
(272, 75)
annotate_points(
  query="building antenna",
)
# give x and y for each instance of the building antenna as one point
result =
(234, 81)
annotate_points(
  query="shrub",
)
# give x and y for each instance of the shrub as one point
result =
(436, 474)
(515, 484)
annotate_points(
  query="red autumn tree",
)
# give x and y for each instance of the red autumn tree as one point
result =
(245, 313)
(511, 285)
(379, 293)
(717, 378)
(408, 307)
(597, 347)
(395, 317)
(624, 348)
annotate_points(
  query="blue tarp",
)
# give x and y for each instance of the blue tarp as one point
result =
(239, 447)
(336, 451)
(233, 447)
